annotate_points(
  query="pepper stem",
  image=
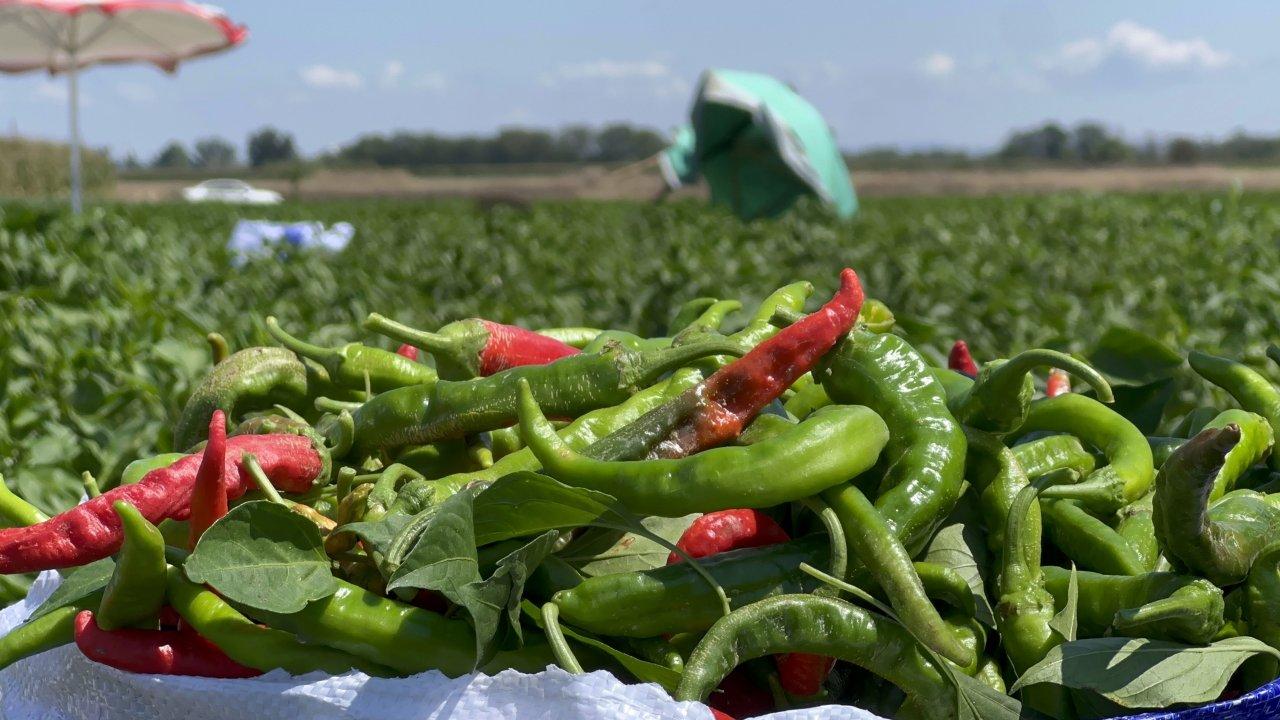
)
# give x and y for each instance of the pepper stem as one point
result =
(301, 347)
(654, 364)
(1007, 376)
(1021, 565)
(555, 636)
(455, 350)
(260, 479)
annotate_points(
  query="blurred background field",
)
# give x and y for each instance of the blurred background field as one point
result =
(102, 318)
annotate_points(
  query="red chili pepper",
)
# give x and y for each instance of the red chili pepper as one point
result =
(724, 530)
(407, 350)
(91, 531)
(961, 360)
(739, 697)
(159, 652)
(511, 346)
(209, 496)
(1059, 382)
(736, 393)
(801, 674)
(717, 715)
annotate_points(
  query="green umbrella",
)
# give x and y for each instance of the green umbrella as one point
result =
(760, 146)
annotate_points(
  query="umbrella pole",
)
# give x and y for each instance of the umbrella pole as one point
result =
(74, 104)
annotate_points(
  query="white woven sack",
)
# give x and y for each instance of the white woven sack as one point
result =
(62, 685)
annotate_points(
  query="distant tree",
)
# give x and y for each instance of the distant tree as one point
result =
(173, 155)
(131, 162)
(623, 142)
(1047, 142)
(269, 145)
(214, 152)
(1092, 144)
(1183, 151)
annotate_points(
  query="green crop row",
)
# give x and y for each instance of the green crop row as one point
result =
(102, 319)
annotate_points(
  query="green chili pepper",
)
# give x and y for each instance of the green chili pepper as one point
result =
(1000, 397)
(708, 322)
(53, 629)
(807, 400)
(822, 626)
(250, 644)
(1254, 447)
(689, 312)
(251, 379)
(1156, 605)
(1136, 524)
(581, 433)
(1247, 386)
(1025, 607)
(764, 427)
(15, 511)
(675, 598)
(219, 350)
(1054, 452)
(1261, 598)
(354, 365)
(831, 446)
(138, 469)
(1129, 472)
(1218, 540)
(135, 593)
(926, 447)
(625, 340)
(504, 441)
(577, 337)
(447, 457)
(998, 477)
(385, 489)
(1163, 447)
(1088, 541)
(871, 541)
(568, 387)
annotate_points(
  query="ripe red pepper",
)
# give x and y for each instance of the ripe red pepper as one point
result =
(209, 496)
(800, 674)
(739, 697)
(1059, 382)
(474, 347)
(961, 360)
(407, 350)
(159, 652)
(736, 393)
(91, 531)
(724, 530)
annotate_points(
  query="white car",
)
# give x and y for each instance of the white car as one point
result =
(229, 190)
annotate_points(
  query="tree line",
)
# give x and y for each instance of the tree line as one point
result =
(617, 142)
(1087, 143)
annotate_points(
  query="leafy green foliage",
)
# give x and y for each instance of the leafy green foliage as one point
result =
(102, 319)
(265, 556)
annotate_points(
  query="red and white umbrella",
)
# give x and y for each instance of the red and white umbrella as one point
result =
(63, 36)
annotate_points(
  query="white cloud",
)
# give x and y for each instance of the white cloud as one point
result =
(324, 76)
(937, 65)
(136, 92)
(614, 70)
(433, 80)
(1137, 44)
(391, 72)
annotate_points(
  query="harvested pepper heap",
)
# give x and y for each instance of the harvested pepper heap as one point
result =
(793, 510)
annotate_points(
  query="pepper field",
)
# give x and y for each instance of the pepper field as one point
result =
(103, 318)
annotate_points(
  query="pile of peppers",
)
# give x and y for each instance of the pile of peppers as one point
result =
(813, 475)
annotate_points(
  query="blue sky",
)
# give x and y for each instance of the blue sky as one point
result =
(903, 73)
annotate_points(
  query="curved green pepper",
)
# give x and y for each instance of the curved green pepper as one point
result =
(353, 365)
(252, 379)
(1156, 605)
(1249, 387)
(135, 593)
(1000, 397)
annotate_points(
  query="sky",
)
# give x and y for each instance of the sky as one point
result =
(907, 74)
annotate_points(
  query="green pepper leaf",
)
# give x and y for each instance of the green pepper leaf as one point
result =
(1128, 357)
(444, 560)
(977, 701)
(960, 546)
(1065, 621)
(75, 585)
(264, 556)
(1141, 673)
(604, 551)
(377, 536)
(642, 670)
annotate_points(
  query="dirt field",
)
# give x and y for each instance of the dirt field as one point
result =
(641, 181)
